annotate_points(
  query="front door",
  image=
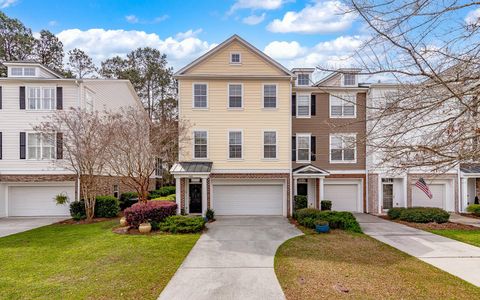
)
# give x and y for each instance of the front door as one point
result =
(195, 192)
(387, 195)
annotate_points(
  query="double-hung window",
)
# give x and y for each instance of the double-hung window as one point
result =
(343, 148)
(235, 58)
(41, 98)
(200, 144)
(303, 105)
(303, 79)
(235, 144)
(200, 95)
(29, 72)
(303, 147)
(269, 95)
(343, 106)
(349, 79)
(269, 144)
(41, 146)
(235, 95)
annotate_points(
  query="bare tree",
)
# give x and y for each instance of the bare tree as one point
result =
(86, 138)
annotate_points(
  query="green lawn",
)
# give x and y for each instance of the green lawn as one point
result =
(88, 262)
(466, 236)
(346, 265)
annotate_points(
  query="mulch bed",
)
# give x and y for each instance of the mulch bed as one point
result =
(469, 215)
(134, 231)
(434, 226)
(95, 220)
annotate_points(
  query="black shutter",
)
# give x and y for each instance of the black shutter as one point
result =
(1, 95)
(22, 145)
(59, 97)
(59, 145)
(294, 105)
(313, 105)
(22, 97)
(294, 148)
(0, 145)
(313, 147)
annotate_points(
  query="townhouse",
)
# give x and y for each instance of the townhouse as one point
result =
(32, 166)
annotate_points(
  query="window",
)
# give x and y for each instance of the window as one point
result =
(270, 96)
(349, 79)
(303, 105)
(235, 58)
(41, 146)
(200, 95)
(342, 106)
(200, 144)
(158, 167)
(303, 79)
(41, 98)
(17, 71)
(269, 144)
(303, 147)
(115, 191)
(343, 148)
(235, 96)
(29, 72)
(235, 144)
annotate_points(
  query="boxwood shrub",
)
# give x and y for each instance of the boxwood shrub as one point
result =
(77, 210)
(166, 198)
(128, 199)
(337, 219)
(300, 202)
(474, 209)
(326, 205)
(105, 207)
(162, 192)
(182, 224)
(152, 211)
(424, 215)
(394, 212)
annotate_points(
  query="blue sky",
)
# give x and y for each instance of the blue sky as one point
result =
(296, 33)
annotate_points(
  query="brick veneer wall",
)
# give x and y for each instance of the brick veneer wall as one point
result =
(477, 187)
(182, 192)
(372, 207)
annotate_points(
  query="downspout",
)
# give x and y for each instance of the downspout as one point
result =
(365, 209)
(459, 188)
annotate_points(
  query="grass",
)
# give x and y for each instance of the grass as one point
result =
(88, 262)
(352, 265)
(467, 236)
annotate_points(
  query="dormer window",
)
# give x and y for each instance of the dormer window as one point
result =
(23, 71)
(28, 71)
(303, 79)
(235, 58)
(349, 79)
(17, 71)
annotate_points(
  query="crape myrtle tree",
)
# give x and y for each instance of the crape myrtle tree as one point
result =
(431, 50)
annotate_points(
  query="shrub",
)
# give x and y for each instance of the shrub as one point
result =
(210, 214)
(182, 224)
(337, 219)
(326, 205)
(152, 211)
(301, 201)
(474, 209)
(166, 198)
(395, 212)
(106, 207)
(320, 222)
(162, 192)
(77, 210)
(424, 215)
(128, 199)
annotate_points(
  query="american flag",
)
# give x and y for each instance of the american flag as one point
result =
(423, 186)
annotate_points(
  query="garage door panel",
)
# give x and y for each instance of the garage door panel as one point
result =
(420, 199)
(248, 199)
(37, 200)
(344, 197)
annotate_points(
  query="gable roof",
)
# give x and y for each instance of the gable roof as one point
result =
(337, 73)
(237, 38)
(310, 170)
(32, 63)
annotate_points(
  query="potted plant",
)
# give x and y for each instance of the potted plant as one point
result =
(123, 221)
(322, 226)
(145, 227)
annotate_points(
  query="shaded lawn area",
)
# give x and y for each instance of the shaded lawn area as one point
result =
(467, 236)
(326, 266)
(88, 262)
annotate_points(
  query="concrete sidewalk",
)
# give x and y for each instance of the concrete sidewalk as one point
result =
(457, 258)
(456, 218)
(233, 260)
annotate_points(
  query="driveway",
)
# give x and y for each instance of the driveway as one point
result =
(454, 257)
(12, 225)
(233, 260)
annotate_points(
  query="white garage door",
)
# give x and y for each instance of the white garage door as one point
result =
(248, 199)
(344, 197)
(420, 199)
(38, 200)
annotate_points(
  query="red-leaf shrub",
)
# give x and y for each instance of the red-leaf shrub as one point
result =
(152, 211)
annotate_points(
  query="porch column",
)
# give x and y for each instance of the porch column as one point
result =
(178, 194)
(295, 180)
(322, 190)
(464, 195)
(204, 196)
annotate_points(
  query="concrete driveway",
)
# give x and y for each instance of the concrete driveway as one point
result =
(12, 225)
(233, 260)
(454, 257)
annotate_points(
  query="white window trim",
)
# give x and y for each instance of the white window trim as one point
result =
(228, 96)
(228, 144)
(41, 148)
(309, 79)
(263, 95)
(309, 135)
(341, 98)
(193, 144)
(193, 96)
(309, 105)
(27, 106)
(23, 72)
(330, 148)
(235, 63)
(343, 80)
(276, 144)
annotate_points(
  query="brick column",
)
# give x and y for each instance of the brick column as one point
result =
(182, 193)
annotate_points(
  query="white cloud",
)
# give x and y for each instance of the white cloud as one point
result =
(134, 19)
(52, 23)
(188, 34)
(473, 17)
(319, 17)
(131, 19)
(254, 19)
(101, 44)
(284, 50)
(256, 4)
(160, 19)
(7, 3)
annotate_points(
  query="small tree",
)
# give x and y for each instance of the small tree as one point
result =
(86, 138)
(80, 63)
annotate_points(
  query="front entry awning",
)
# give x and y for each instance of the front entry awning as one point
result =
(309, 171)
(191, 168)
(470, 170)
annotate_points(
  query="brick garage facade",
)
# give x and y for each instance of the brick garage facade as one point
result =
(372, 207)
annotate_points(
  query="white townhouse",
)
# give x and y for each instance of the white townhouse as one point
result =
(31, 172)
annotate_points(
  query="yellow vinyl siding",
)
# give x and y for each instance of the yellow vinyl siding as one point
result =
(252, 119)
(251, 63)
